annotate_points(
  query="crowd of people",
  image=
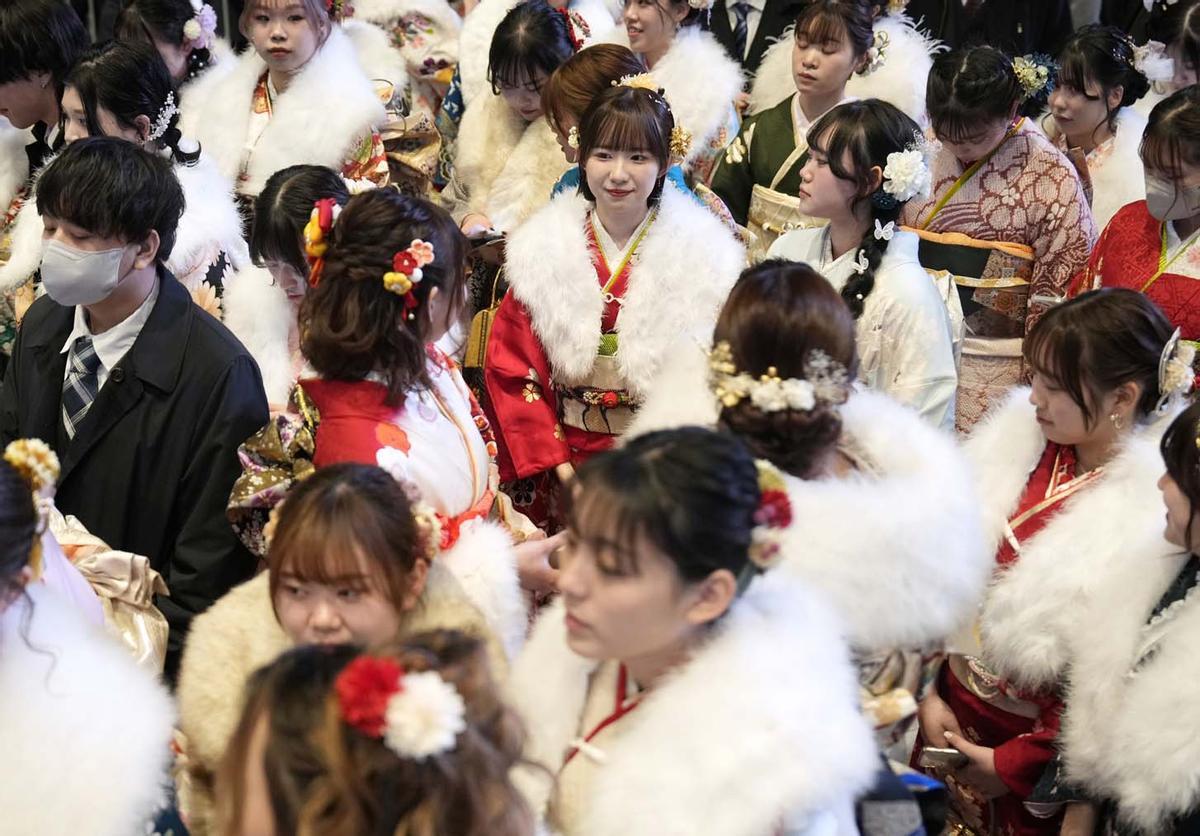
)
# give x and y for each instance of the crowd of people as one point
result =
(516, 417)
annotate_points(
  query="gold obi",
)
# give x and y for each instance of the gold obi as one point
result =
(771, 214)
(600, 403)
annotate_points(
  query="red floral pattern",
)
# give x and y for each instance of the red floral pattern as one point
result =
(363, 690)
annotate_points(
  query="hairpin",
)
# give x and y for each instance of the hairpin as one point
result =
(406, 273)
(316, 236)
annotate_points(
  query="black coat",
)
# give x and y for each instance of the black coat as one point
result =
(777, 15)
(151, 466)
(1018, 27)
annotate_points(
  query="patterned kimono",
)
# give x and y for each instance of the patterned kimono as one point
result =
(1141, 253)
(1012, 230)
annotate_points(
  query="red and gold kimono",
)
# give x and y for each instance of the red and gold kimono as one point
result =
(1012, 229)
(1020, 726)
(1139, 252)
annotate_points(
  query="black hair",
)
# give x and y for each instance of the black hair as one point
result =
(1172, 136)
(129, 80)
(533, 37)
(113, 188)
(282, 210)
(867, 132)
(627, 119)
(691, 492)
(968, 88)
(823, 21)
(1103, 55)
(1180, 449)
(39, 36)
(18, 525)
(1178, 25)
(1098, 341)
(143, 20)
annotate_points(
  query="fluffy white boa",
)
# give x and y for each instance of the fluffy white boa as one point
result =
(759, 725)
(261, 317)
(1119, 178)
(899, 552)
(14, 164)
(328, 107)
(86, 732)
(387, 13)
(1032, 606)
(900, 80)
(685, 267)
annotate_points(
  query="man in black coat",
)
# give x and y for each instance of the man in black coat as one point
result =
(765, 21)
(144, 396)
(1018, 27)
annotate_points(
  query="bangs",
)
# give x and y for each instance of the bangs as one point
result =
(273, 239)
(1163, 147)
(1073, 71)
(956, 125)
(837, 135)
(314, 11)
(513, 70)
(821, 25)
(602, 516)
(627, 131)
(1056, 353)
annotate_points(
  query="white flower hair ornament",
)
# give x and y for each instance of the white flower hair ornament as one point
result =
(877, 53)
(163, 120)
(824, 382)
(201, 30)
(906, 174)
(1176, 375)
(1152, 61)
(702, 5)
(417, 715)
(573, 138)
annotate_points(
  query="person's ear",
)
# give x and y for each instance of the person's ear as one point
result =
(1124, 401)
(417, 577)
(147, 252)
(1115, 96)
(875, 180)
(712, 597)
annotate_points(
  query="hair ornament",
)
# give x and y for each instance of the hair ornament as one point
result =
(1152, 61)
(702, 5)
(1176, 376)
(417, 715)
(1035, 73)
(877, 53)
(163, 121)
(316, 236)
(339, 9)
(37, 464)
(909, 173)
(577, 28)
(861, 263)
(573, 137)
(640, 81)
(681, 142)
(435, 534)
(201, 31)
(897, 7)
(824, 382)
(884, 232)
(406, 272)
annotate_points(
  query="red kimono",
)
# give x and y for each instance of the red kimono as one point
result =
(1020, 726)
(1130, 253)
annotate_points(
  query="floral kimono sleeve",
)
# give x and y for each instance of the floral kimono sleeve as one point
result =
(517, 375)
(367, 162)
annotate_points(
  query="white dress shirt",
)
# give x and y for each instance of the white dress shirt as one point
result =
(114, 343)
(752, 19)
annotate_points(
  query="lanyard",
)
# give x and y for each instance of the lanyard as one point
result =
(965, 177)
(1163, 263)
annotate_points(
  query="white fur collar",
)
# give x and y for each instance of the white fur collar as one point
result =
(329, 106)
(376, 54)
(1136, 740)
(726, 744)
(1032, 604)
(86, 731)
(261, 317)
(387, 13)
(210, 214)
(1116, 174)
(687, 263)
(14, 162)
(25, 255)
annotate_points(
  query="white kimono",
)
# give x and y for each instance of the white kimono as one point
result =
(905, 335)
(757, 732)
(1113, 168)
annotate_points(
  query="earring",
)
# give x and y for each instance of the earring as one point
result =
(1117, 421)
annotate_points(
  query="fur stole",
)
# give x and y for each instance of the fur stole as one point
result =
(388, 14)
(1117, 177)
(328, 107)
(376, 54)
(682, 273)
(700, 80)
(900, 80)
(1031, 605)
(761, 724)
(1135, 738)
(86, 732)
(25, 244)
(14, 162)
(210, 214)
(260, 315)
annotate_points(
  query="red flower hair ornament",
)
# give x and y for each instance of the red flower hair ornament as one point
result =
(316, 236)
(406, 273)
(771, 519)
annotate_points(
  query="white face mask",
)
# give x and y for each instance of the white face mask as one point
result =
(78, 277)
(1167, 202)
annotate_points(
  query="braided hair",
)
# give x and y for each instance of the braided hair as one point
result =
(866, 132)
(970, 87)
(129, 80)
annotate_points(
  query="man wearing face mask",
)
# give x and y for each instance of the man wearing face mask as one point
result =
(144, 396)
(1153, 246)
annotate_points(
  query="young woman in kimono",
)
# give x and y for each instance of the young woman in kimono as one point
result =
(903, 584)
(1007, 216)
(1153, 246)
(355, 558)
(183, 31)
(1176, 25)
(1062, 469)
(1092, 120)
(866, 159)
(298, 95)
(677, 678)
(601, 282)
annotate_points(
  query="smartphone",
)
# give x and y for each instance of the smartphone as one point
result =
(934, 758)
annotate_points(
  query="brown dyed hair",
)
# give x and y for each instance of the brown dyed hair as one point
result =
(350, 324)
(314, 11)
(328, 779)
(582, 78)
(835, 21)
(627, 119)
(1098, 341)
(776, 315)
(1172, 137)
(334, 516)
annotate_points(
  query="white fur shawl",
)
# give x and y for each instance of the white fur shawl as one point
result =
(387, 13)
(1117, 177)
(378, 57)
(899, 552)
(1033, 604)
(759, 725)
(14, 162)
(684, 269)
(700, 81)
(900, 80)
(328, 107)
(86, 732)
(1135, 739)
(261, 317)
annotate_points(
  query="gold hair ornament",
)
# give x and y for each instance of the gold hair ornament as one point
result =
(38, 467)
(825, 382)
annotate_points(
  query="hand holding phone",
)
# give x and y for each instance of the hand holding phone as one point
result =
(933, 757)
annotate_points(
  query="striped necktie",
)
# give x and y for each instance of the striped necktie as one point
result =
(81, 384)
(741, 10)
